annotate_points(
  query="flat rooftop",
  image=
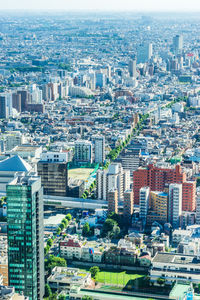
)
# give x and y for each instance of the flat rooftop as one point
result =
(175, 258)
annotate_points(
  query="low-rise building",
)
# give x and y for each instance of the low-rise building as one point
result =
(64, 278)
(175, 266)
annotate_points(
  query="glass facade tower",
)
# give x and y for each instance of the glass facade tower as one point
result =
(25, 236)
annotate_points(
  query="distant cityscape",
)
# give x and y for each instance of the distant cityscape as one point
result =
(99, 156)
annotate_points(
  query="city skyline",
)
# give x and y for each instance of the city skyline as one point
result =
(110, 5)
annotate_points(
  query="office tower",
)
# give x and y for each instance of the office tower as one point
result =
(177, 43)
(83, 151)
(16, 101)
(128, 205)
(189, 196)
(175, 204)
(113, 201)
(35, 94)
(156, 178)
(100, 80)
(114, 177)
(52, 168)
(3, 109)
(159, 207)
(144, 53)
(25, 235)
(132, 68)
(99, 149)
(144, 203)
(25, 99)
(5, 105)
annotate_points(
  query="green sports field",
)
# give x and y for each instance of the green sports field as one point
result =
(116, 278)
(80, 173)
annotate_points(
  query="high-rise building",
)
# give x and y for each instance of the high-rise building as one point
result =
(52, 167)
(189, 196)
(99, 149)
(83, 151)
(198, 209)
(159, 207)
(5, 105)
(25, 99)
(144, 53)
(100, 80)
(175, 204)
(177, 43)
(113, 201)
(156, 178)
(128, 205)
(25, 235)
(144, 203)
(132, 68)
(114, 177)
(16, 101)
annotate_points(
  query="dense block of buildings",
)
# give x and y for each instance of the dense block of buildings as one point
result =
(158, 178)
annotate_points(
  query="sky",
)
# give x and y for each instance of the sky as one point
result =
(136, 5)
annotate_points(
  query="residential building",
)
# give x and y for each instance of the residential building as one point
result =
(144, 203)
(159, 207)
(25, 235)
(99, 149)
(157, 179)
(113, 201)
(175, 204)
(115, 177)
(83, 152)
(128, 205)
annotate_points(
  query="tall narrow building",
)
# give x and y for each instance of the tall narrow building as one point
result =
(175, 204)
(99, 149)
(25, 235)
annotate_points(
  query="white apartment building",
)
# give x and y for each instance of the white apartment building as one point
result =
(175, 267)
(144, 203)
(72, 248)
(175, 204)
(113, 178)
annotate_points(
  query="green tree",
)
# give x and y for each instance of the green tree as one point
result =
(62, 297)
(65, 222)
(85, 297)
(48, 291)
(62, 226)
(58, 231)
(54, 261)
(46, 250)
(94, 271)
(49, 242)
(68, 217)
(109, 225)
(86, 229)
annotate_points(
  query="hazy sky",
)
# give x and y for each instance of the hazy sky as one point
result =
(141, 5)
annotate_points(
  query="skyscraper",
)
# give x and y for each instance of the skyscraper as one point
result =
(25, 235)
(177, 43)
(132, 68)
(144, 53)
